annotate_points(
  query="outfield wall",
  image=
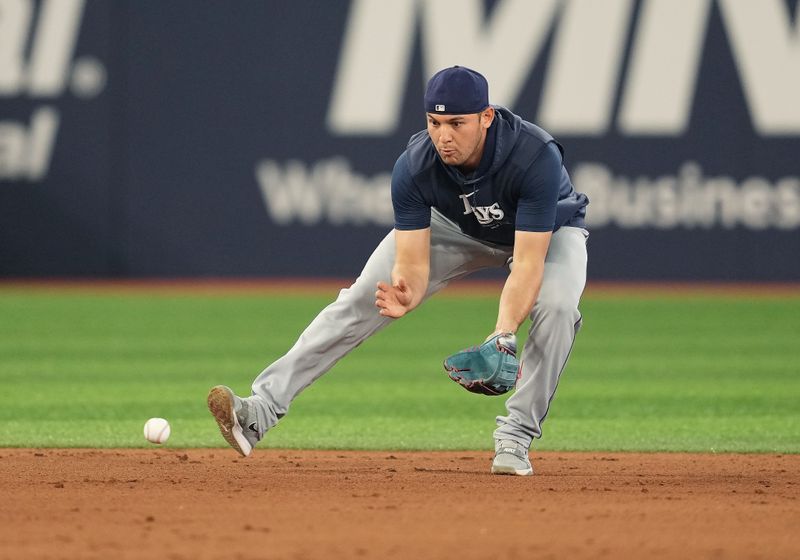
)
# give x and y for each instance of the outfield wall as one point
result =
(149, 138)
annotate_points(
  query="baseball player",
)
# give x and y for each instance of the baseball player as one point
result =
(480, 188)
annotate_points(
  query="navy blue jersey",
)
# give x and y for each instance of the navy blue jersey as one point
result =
(520, 184)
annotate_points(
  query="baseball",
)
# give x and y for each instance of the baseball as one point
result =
(156, 430)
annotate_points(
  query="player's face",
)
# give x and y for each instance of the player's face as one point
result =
(459, 139)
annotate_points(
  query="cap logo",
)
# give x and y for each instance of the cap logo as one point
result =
(440, 107)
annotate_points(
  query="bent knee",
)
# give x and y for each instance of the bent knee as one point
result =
(556, 305)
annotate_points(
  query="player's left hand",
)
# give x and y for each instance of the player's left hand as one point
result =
(490, 369)
(395, 300)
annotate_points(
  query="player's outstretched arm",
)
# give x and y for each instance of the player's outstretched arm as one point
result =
(409, 275)
(522, 286)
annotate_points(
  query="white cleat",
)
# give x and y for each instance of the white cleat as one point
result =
(228, 410)
(511, 458)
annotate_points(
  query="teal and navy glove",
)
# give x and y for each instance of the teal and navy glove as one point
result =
(490, 369)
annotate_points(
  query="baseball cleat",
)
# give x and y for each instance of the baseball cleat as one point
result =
(511, 458)
(231, 414)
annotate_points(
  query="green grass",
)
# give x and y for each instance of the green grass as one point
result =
(676, 373)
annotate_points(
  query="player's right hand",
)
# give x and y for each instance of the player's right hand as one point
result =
(393, 300)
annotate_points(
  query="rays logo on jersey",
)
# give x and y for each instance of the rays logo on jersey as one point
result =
(484, 214)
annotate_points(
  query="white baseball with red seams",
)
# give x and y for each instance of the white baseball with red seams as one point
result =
(156, 430)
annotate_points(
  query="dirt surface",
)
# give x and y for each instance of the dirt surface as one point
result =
(176, 504)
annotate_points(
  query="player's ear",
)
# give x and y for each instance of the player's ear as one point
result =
(487, 116)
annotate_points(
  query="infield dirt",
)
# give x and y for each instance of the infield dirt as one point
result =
(277, 504)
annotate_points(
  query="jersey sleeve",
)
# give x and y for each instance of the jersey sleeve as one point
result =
(536, 209)
(411, 211)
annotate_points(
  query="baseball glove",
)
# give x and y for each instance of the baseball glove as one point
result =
(489, 369)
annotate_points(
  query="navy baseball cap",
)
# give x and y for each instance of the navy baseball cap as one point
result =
(456, 91)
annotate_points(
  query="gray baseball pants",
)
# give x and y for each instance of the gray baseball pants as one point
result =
(353, 317)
